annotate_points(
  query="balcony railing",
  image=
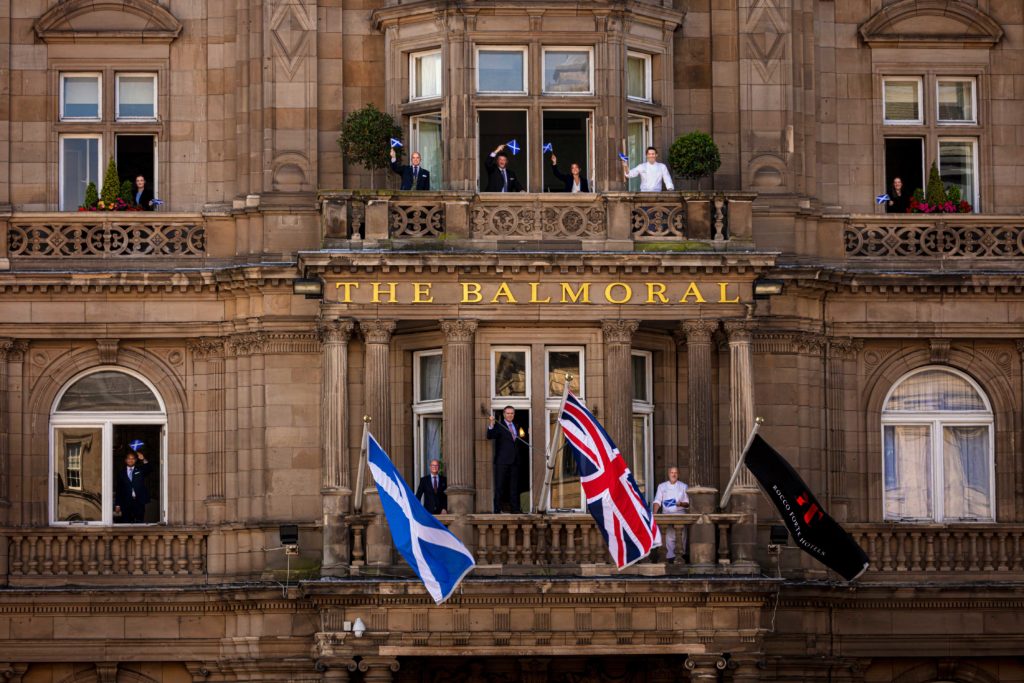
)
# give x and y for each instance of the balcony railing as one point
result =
(966, 237)
(101, 234)
(610, 220)
(966, 551)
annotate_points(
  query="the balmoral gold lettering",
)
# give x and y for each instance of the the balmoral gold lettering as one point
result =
(471, 293)
(580, 295)
(421, 293)
(723, 289)
(346, 298)
(533, 295)
(390, 287)
(626, 289)
(694, 291)
(656, 289)
(503, 291)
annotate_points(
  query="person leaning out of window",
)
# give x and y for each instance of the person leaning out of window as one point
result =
(142, 196)
(898, 202)
(574, 180)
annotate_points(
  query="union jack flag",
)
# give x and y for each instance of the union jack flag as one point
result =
(613, 498)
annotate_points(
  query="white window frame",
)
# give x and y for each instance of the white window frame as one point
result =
(589, 50)
(939, 80)
(514, 401)
(975, 200)
(936, 421)
(423, 409)
(646, 410)
(105, 421)
(648, 127)
(553, 403)
(117, 95)
(648, 76)
(99, 95)
(503, 48)
(920, 101)
(436, 166)
(60, 166)
(413, 57)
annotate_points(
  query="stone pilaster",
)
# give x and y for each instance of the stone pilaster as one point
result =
(458, 422)
(5, 346)
(741, 420)
(378, 669)
(704, 668)
(334, 466)
(377, 335)
(208, 361)
(618, 368)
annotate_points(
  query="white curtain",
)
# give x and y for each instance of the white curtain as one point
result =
(908, 472)
(968, 485)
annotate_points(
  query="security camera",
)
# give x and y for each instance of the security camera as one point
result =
(358, 628)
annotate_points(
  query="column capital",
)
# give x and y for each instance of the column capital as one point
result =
(619, 331)
(377, 331)
(739, 330)
(335, 331)
(12, 349)
(697, 331)
(459, 330)
(206, 347)
(705, 662)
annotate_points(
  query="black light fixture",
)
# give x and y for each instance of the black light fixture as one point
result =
(310, 287)
(766, 288)
(289, 534)
(778, 535)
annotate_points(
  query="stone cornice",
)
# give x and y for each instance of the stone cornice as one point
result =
(147, 22)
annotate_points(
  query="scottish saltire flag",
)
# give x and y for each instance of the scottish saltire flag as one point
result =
(623, 157)
(613, 498)
(547, 148)
(514, 146)
(136, 445)
(157, 202)
(395, 142)
(882, 198)
(433, 552)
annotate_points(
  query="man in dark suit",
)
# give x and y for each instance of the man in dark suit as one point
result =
(131, 495)
(433, 490)
(414, 177)
(500, 178)
(506, 437)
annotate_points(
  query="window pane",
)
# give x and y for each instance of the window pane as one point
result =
(108, 391)
(636, 142)
(79, 469)
(956, 100)
(432, 439)
(429, 144)
(428, 76)
(430, 378)
(80, 167)
(637, 462)
(908, 472)
(956, 166)
(965, 453)
(934, 390)
(559, 363)
(636, 78)
(640, 379)
(135, 97)
(510, 373)
(81, 97)
(566, 71)
(144, 506)
(500, 70)
(902, 101)
(566, 491)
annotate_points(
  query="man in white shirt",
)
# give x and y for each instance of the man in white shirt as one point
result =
(672, 499)
(654, 175)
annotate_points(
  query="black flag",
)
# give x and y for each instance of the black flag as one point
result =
(814, 531)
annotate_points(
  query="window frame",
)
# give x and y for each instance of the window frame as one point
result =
(516, 402)
(551, 406)
(413, 80)
(645, 409)
(939, 80)
(153, 76)
(523, 49)
(936, 421)
(61, 165)
(587, 49)
(648, 76)
(975, 199)
(415, 128)
(64, 75)
(919, 121)
(424, 409)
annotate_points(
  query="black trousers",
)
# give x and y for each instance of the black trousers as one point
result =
(133, 513)
(506, 487)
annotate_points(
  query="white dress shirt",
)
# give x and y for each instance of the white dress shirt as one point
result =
(671, 496)
(652, 176)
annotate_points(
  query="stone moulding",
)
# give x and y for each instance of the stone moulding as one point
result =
(931, 23)
(79, 21)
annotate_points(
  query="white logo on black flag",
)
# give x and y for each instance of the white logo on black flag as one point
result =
(814, 531)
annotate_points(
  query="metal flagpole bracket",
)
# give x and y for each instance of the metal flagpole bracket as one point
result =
(357, 502)
(727, 494)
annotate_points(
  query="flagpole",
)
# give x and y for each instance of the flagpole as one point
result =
(549, 465)
(758, 421)
(357, 504)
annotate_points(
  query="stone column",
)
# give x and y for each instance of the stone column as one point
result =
(746, 668)
(704, 668)
(335, 489)
(458, 424)
(5, 346)
(378, 669)
(699, 402)
(618, 373)
(377, 335)
(741, 420)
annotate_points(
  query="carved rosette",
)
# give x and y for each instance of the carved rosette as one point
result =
(377, 331)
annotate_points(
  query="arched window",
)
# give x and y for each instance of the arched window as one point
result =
(108, 436)
(938, 449)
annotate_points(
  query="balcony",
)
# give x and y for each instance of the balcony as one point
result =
(550, 221)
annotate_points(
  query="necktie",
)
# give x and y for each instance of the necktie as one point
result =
(504, 187)
(129, 474)
(512, 429)
(435, 484)
(415, 172)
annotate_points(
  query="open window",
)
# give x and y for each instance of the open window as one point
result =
(566, 489)
(427, 404)
(568, 132)
(904, 159)
(501, 127)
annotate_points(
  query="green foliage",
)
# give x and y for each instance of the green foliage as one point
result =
(111, 184)
(936, 192)
(92, 196)
(126, 191)
(953, 194)
(694, 156)
(919, 195)
(365, 138)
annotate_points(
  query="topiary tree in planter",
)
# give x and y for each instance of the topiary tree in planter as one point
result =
(92, 197)
(365, 139)
(694, 156)
(111, 185)
(936, 192)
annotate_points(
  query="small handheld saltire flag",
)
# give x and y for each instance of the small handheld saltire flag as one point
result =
(395, 142)
(613, 498)
(157, 202)
(136, 445)
(623, 157)
(433, 552)
(514, 146)
(814, 531)
(546, 148)
(882, 198)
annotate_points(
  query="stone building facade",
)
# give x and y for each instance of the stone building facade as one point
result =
(885, 352)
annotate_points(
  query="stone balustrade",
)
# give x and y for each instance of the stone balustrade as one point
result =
(933, 236)
(106, 234)
(970, 551)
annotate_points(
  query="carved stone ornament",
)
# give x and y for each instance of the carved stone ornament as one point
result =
(377, 331)
(337, 331)
(206, 347)
(739, 331)
(696, 331)
(459, 331)
(619, 331)
(107, 349)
